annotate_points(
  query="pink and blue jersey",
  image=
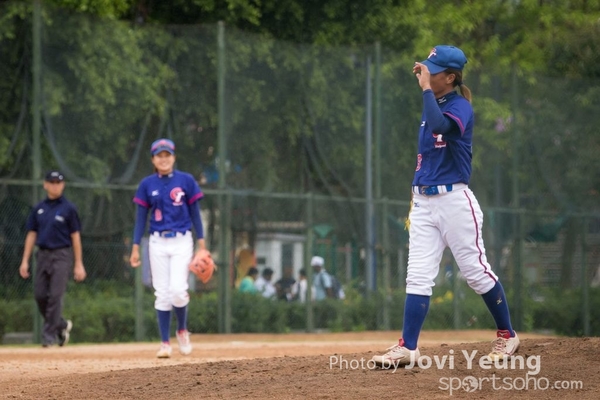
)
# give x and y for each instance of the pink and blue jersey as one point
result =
(172, 203)
(445, 140)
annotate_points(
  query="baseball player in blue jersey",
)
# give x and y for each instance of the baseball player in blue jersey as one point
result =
(171, 197)
(444, 211)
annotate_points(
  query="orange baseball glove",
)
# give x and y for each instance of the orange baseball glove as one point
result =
(202, 265)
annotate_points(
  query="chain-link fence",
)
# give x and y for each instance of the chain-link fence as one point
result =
(277, 136)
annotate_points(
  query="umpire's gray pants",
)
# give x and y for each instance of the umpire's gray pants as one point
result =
(50, 285)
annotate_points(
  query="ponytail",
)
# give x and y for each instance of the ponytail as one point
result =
(458, 81)
(465, 92)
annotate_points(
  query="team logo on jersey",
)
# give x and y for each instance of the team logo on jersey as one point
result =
(439, 141)
(419, 161)
(59, 218)
(177, 195)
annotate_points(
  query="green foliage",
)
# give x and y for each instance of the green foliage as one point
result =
(109, 315)
(464, 309)
(254, 313)
(561, 311)
(295, 114)
(16, 316)
(101, 318)
(105, 82)
(103, 8)
(202, 313)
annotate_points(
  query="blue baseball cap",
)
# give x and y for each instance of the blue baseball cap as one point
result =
(443, 57)
(162, 145)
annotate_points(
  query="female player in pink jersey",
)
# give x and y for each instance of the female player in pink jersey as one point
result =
(171, 197)
(444, 211)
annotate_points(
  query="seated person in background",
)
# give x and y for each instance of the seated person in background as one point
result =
(263, 284)
(300, 287)
(247, 283)
(285, 284)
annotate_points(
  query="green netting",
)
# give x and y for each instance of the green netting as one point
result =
(293, 122)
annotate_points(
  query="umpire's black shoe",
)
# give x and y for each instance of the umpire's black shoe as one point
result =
(63, 338)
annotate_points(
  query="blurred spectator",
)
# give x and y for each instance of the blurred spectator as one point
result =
(300, 287)
(247, 283)
(285, 284)
(321, 279)
(263, 284)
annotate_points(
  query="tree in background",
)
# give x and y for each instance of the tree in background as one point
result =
(119, 73)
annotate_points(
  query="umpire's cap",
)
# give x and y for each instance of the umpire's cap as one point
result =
(443, 57)
(162, 145)
(54, 176)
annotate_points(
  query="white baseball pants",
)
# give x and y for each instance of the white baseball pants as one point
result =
(169, 260)
(452, 219)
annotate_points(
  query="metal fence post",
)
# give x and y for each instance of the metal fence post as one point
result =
(518, 226)
(308, 252)
(585, 287)
(387, 273)
(456, 315)
(370, 266)
(224, 199)
(36, 138)
(139, 304)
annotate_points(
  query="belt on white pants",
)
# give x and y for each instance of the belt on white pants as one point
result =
(169, 234)
(433, 190)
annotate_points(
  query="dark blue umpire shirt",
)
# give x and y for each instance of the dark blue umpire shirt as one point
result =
(54, 221)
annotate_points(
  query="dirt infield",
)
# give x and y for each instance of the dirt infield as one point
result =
(299, 366)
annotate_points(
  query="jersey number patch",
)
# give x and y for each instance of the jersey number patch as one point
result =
(439, 141)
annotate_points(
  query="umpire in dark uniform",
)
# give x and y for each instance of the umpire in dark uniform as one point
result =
(54, 227)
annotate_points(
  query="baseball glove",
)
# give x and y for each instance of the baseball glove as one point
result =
(202, 265)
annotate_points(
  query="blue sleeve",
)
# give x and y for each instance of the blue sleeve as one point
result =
(140, 223)
(141, 196)
(193, 191)
(194, 195)
(32, 224)
(74, 223)
(436, 120)
(196, 220)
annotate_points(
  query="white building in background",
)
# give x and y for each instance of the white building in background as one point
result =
(279, 250)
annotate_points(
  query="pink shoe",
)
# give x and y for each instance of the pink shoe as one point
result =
(504, 345)
(185, 346)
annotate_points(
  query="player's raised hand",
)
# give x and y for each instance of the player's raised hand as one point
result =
(422, 73)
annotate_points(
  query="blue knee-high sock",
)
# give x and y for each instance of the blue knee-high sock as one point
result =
(164, 324)
(415, 311)
(495, 300)
(181, 314)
